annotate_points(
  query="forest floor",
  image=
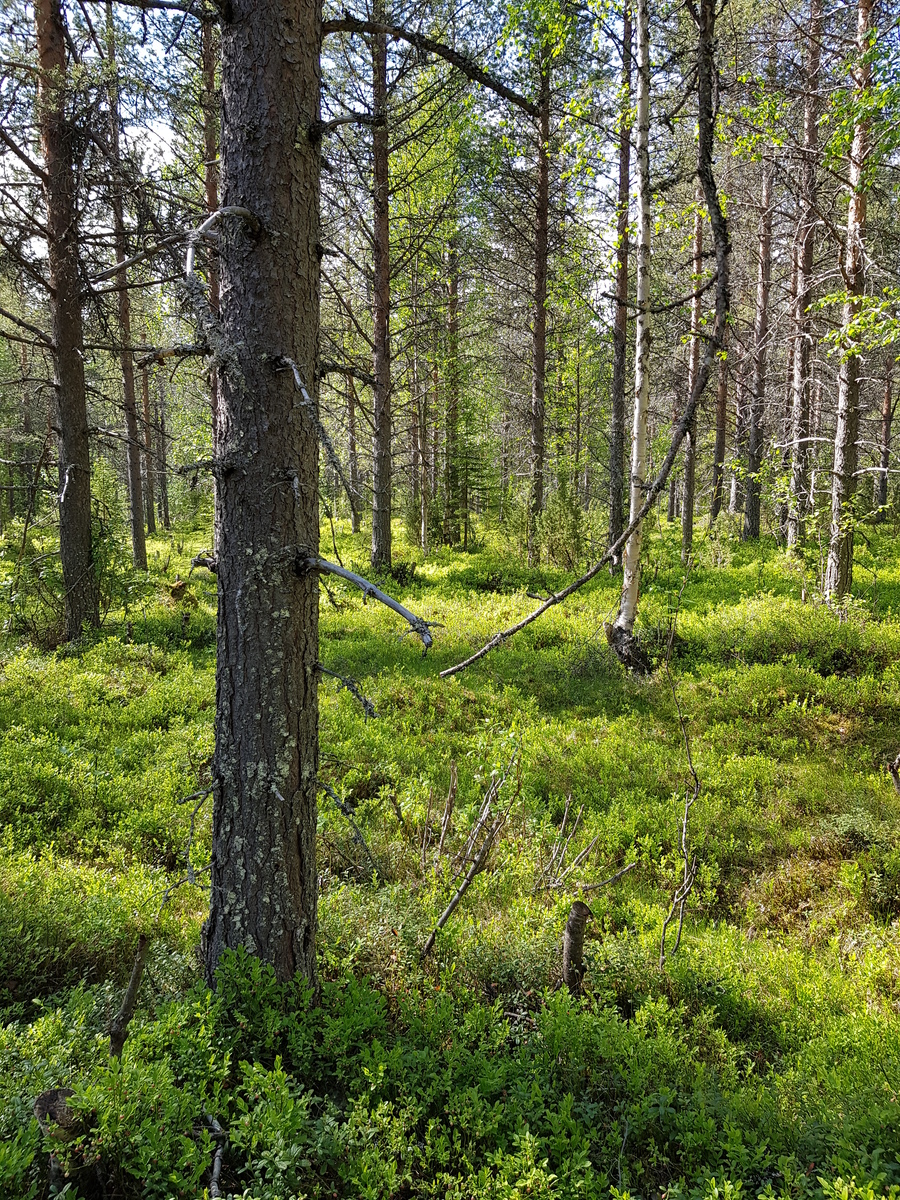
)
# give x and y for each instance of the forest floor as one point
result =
(761, 1059)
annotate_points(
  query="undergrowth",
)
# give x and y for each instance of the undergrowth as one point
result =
(763, 1060)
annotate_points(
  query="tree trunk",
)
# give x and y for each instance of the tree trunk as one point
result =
(129, 400)
(631, 559)
(884, 457)
(690, 442)
(839, 571)
(798, 497)
(353, 455)
(718, 473)
(263, 893)
(381, 251)
(620, 320)
(209, 52)
(148, 459)
(539, 314)
(760, 353)
(452, 508)
(736, 495)
(57, 139)
(163, 451)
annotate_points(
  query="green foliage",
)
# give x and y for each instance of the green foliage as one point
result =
(768, 1044)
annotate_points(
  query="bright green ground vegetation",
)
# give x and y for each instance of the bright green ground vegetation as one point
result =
(763, 1060)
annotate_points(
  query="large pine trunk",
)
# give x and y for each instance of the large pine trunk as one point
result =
(57, 142)
(266, 454)
(839, 569)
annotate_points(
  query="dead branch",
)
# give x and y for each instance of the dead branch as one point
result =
(448, 811)
(118, 1030)
(221, 1138)
(312, 413)
(352, 686)
(347, 812)
(479, 861)
(592, 887)
(419, 626)
(689, 862)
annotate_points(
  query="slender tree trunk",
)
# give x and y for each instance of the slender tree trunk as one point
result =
(760, 353)
(539, 314)
(209, 53)
(839, 571)
(718, 473)
(148, 459)
(263, 885)
(452, 507)
(133, 445)
(884, 457)
(631, 559)
(799, 499)
(690, 442)
(381, 483)
(620, 321)
(162, 443)
(57, 139)
(353, 456)
(736, 495)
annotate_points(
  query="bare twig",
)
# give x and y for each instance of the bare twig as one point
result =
(479, 861)
(689, 861)
(352, 686)
(448, 811)
(347, 813)
(221, 1138)
(592, 887)
(118, 1030)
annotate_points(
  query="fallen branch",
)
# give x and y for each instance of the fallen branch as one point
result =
(347, 812)
(592, 887)
(221, 1138)
(419, 626)
(118, 1030)
(479, 861)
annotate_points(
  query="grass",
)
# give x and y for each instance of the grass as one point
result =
(763, 1059)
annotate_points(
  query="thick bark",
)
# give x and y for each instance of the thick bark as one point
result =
(799, 498)
(381, 261)
(620, 320)
(690, 442)
(57, 142)
(149, 464)
(129, 400)
(631, 559)
(539, 310)
(839, 570)
(760, 355)
(263, 894)
(880, 496)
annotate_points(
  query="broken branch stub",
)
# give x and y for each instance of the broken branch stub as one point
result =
(573, 946)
